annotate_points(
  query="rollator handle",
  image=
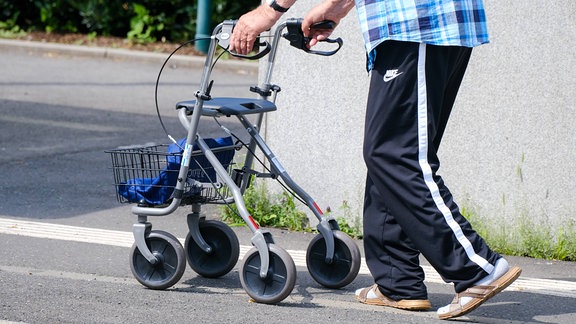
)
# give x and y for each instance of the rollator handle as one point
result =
(224, 41)
(298, 40)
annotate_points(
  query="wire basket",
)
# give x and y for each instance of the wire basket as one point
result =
(148, 174)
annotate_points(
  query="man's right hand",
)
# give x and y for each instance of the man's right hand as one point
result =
(333, 10)
(250, 25)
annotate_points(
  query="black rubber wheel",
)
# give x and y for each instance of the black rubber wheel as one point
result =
(224, 254)
(171, 261)
(344, 267)
(279, 282)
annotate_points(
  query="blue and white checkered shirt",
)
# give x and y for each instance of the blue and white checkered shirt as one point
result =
(436, 22)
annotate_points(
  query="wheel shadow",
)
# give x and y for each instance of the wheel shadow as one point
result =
(306, 293)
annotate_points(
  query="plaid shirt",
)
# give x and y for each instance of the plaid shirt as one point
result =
(436, 22)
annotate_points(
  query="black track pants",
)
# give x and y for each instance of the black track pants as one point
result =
(408, 210)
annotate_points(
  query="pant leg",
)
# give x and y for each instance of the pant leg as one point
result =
(404, 125)
(390, 255)
(443, 94)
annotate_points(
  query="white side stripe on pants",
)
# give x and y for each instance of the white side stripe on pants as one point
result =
(427, 170)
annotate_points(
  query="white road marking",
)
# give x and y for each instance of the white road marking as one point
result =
(125, 239)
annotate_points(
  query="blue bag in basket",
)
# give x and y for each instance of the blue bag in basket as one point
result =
(158, 190)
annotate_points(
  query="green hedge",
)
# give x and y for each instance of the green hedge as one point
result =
(142, 20)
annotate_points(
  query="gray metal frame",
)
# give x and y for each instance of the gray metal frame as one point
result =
(261, 237)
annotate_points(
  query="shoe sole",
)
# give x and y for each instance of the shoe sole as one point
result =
(499, 284)
(403, 304)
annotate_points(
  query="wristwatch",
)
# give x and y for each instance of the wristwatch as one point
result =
(276, 6)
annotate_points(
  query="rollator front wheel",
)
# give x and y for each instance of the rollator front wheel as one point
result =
(224, 254)
(279, 281)
(344, 266)
(171, 261)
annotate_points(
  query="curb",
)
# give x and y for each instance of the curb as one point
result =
(33, 47)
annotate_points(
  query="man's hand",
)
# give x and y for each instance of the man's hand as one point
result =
(250, 25)
(333, 10)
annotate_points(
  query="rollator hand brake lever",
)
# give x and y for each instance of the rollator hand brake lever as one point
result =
(298, 40)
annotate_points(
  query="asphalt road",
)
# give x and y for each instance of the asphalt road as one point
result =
(64, 239)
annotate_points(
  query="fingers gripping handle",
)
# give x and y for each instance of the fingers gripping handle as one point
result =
(294, 34)
(224, 41)
(297, 39)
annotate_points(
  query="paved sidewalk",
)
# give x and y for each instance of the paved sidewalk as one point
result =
(539, 276)
(545, 276)
(547, 283)
(535, 268)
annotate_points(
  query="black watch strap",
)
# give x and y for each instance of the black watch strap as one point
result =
(277, 7)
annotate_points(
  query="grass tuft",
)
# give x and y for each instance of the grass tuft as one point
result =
(524, 237)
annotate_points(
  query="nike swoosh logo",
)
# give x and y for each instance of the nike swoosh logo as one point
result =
(391, 74)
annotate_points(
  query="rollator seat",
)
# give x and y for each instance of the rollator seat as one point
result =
(229, 106)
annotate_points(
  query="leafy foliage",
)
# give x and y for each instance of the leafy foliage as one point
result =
(348, 222)
(281, 211)
(267, 210)
(141, 20)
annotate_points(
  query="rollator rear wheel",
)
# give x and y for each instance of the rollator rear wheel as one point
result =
(171, 261)
(224, 254)
(279, 282)
(344, 266)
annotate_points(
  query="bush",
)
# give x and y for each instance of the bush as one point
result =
(268, 210)
(142, 20)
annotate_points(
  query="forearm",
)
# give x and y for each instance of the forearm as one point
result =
(273, 10)
(285, 3)
(342, 6)
(333, 10)
(337, 6)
